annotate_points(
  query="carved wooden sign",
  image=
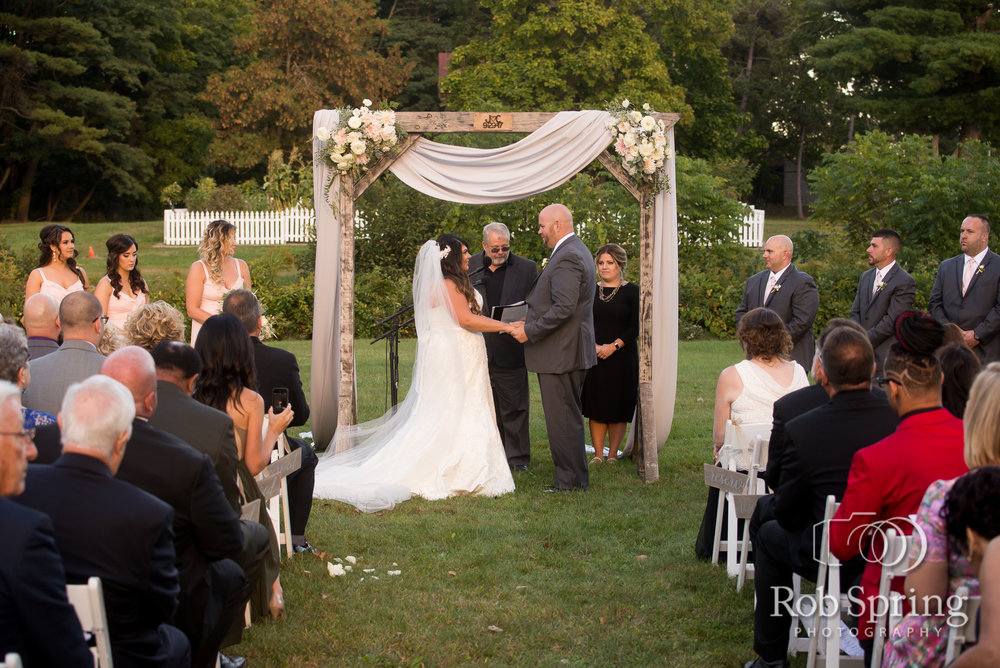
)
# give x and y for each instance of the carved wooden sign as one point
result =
(269, 480)
(733, 482)
(250, 511)
(498, 122)
(744, 505)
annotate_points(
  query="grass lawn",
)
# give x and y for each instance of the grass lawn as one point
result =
(603, 577)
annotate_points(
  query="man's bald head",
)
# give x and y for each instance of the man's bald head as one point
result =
(133, 367)
(79, 313)
(778, 252)
(41, 316)
(554, 222)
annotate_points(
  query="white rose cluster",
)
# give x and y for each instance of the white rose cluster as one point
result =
(359, 139)
(640, 141)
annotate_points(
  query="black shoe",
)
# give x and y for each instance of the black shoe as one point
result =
(761, 663)
(304, 547)
(231, 661)
(519, 467)
(553, 490)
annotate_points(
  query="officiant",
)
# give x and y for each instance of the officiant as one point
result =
(503, 278)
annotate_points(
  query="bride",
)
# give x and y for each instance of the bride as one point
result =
(442, 440)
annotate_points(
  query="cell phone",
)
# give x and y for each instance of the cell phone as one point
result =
(279, 399)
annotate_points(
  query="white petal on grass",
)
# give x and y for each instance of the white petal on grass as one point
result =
(351, 559)
(335, 570)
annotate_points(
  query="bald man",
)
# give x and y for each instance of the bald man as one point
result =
(207, 533)
(41, 324)
(788, 292)
(558, 337)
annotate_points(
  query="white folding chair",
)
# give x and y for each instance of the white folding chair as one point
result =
(962, 634)
(12, 660)
(273, 484)
(744, 506)
(895, 563)
(735, 454)
(88, 601)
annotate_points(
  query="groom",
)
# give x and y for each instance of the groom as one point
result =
(558, 337)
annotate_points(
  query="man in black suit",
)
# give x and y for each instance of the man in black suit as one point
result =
(884, 291)
(36, 620)
(207, 534)
(41, 324)
(788, 292)
(502, 278)
(821, 444)
(559, 331)
(279, 368)
(967, 290)
(111, 529)
(208, 431)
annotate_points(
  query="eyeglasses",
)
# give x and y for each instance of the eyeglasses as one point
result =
(102, 318)
(883, 381)
(28, 434)
(500, 249)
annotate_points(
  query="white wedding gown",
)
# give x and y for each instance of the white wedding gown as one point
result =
(442, 440)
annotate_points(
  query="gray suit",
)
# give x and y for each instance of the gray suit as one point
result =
(796, 302)
(52, 374)
(560, 348)
(877, 313)
(979, 309)
(40, 346)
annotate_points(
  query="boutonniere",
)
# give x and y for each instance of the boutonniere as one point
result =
(980, 269)
(775, 288)
(880, 287)
(545, 261)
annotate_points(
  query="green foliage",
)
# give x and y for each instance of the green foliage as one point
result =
(197, 197)
(881, 181)
(15, 265)
(226, 198)
(171, 195)
(288, 183)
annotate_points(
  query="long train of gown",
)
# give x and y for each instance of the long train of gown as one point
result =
(441, 441)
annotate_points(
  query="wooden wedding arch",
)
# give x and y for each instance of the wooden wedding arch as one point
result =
(418, 123)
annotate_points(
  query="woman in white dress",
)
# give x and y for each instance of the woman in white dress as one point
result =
(122, 289)
(442, 440)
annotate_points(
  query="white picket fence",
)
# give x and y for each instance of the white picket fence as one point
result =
(253, 228)
(752, 228)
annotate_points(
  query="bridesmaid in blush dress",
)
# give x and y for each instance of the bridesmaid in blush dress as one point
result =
(122, 289)
(214, 275)
(57, 274)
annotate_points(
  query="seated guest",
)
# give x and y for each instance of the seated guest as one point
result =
(888, 479)
(798, 402)
(972, 517)
(959, 365)
(76, 359)
(279, 368)
(36, 619)
(746, 393)
(922, 635)
(41, 323)
(109, 528)
(207, 533)
(151, 323)
(14, 369)
(111, 340)
(820, 446)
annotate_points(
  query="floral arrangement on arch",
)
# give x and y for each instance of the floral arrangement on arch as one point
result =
(362, 136)
(640, 141)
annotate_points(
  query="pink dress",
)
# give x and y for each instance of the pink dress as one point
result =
(922, 640)
(212, 295)
(55, 290)
(119, 307)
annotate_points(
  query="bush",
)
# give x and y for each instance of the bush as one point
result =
(197, 197)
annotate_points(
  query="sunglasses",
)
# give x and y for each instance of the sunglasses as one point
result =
(500, 249)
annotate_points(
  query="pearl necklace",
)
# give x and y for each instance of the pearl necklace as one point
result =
(600, 293)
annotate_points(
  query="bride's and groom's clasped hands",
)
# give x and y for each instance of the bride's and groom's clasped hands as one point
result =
(442, 440)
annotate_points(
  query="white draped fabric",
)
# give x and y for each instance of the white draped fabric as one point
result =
(546, 158)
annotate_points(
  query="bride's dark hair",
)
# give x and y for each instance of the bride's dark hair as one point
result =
(451, 267)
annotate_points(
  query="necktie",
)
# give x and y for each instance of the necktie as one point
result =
(878, 279)
(770, 284)
(970, 267)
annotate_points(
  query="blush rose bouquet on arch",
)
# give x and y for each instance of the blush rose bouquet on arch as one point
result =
(640, 141)
(360, 138)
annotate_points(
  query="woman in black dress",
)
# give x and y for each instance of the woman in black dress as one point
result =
(609, 392)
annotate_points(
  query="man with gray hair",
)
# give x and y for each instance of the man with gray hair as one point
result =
(501, 278)
(77, 358)
(39, 624)
(110, 529)
(41, 324)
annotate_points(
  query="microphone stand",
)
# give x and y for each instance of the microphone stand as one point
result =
(391, 335)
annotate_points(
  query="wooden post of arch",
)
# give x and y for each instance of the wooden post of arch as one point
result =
(416, 123)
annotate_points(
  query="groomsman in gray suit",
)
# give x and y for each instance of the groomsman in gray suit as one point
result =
(967, 289)
(501, 277)
(788, 292)
(77, 358)
(884, 291)
(558, 337)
